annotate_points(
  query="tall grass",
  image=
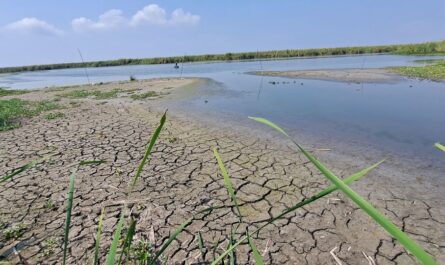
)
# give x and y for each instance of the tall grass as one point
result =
(150, 147)
(69, 208)
(98, 238)
(111, 256)
(227, 183)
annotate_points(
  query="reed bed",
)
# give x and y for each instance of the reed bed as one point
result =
(428, 48)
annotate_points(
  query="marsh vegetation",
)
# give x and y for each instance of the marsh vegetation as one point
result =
(432, 71)
(429, 48)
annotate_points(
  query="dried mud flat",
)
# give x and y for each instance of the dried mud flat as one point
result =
(181, 178)
(341, 75)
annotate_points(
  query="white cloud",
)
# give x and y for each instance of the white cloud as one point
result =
(151, 14)
(109, 20)
(32, 25)
(154, 14)
(181, 17)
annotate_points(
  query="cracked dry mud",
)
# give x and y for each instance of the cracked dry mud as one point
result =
(181, 178)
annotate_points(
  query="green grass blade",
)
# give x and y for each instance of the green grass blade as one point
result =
(22, 169)
(439, 146)
(150, 147)
(227, 182)
(393, 230)
(116, 237)
(256, 255)
(311, 199)
(269, 123)
(215, 247)
(171, 239)
(92, 162)
(98, 237)
(403, 238)
(128, 240)
(232, 250)
(178, 231)
(69, 208)
(201, 245)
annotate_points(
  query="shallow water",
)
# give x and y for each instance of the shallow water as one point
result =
(404, 118)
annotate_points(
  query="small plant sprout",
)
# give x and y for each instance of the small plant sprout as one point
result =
(15, 231)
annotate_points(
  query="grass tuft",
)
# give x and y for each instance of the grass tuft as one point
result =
(54, 115)
(15, 231)
(96, 94)
(49, 246)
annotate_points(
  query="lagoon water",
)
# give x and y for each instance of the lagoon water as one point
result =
(404, 118)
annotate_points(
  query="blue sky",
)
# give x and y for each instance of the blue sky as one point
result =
(50, 31)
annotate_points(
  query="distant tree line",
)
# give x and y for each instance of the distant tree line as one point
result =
(408, 49)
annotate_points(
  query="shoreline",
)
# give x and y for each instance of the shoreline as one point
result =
(182, 177)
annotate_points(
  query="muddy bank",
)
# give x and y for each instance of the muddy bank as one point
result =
(182, 177)
(341, 75)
